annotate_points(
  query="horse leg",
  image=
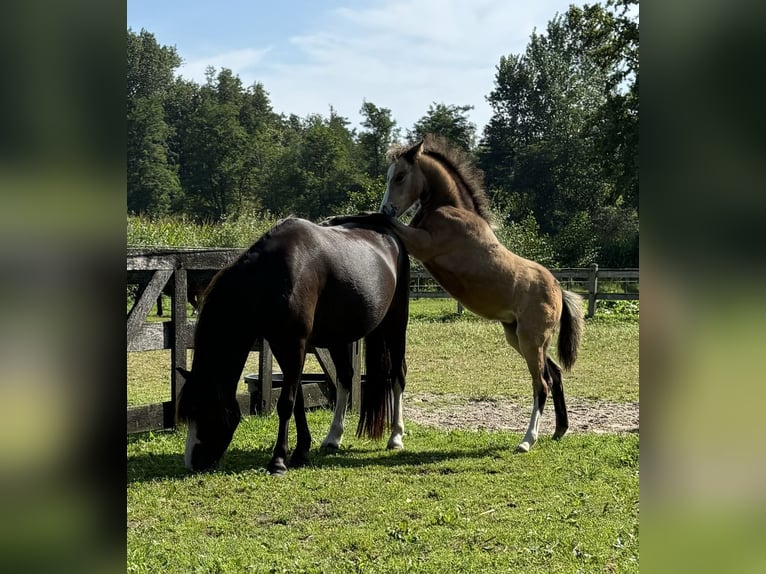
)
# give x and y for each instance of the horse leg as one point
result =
(554, 378)
(290, 359)
(533, 351)
(399, 374)
(397, 427)
(300, 456)
(535, 364)
(341, 357)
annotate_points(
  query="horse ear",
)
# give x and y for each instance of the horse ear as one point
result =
(414, 152)
(184, 373)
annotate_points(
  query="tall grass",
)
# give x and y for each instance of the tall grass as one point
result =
(180, 231)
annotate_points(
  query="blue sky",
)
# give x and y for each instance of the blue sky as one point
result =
(309, 55)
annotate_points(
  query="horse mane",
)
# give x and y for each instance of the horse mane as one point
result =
(458, 162)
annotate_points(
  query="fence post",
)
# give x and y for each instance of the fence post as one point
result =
(265, 379)
(592, 289)
(178, 351)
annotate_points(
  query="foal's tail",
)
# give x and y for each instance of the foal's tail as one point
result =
(570, 329)
(377, 408)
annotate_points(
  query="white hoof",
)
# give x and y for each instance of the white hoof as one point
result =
(395, 443)
(523, 447)
(331, 444)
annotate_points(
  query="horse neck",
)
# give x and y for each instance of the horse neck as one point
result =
(222, 344)
(443, 187)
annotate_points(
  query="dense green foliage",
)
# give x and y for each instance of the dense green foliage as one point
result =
(562, 144)
(559, 153)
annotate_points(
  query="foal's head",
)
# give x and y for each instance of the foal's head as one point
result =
(438, 173)
(405, 181)
(211, 421)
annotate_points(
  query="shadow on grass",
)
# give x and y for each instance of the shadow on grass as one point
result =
(149, 467)
(440, 318)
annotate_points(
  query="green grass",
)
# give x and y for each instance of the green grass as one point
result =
(454, 501)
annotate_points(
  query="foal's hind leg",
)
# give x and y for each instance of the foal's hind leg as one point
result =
(532, 348)
(341, 357)
(554, 378)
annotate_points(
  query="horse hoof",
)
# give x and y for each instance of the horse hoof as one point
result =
(395, 445)
(559, 433)
(331, 446)
(523, 447)
(277, 467)
(299, 459)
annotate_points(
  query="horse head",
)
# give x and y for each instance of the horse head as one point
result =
(211, 422)
(405, 181)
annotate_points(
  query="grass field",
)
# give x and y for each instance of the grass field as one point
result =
(456, 501)
(453, 501)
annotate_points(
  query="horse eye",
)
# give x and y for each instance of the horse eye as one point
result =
(399, 178)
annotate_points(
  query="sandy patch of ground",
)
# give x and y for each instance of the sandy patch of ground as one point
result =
(456, 412)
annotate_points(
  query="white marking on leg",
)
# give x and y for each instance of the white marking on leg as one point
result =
(335, 434)
(191, 442)
(397, 430)
(530, 437)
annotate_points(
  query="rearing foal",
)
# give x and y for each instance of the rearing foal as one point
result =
(451, 235)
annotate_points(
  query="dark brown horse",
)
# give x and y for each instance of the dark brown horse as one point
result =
(301, 284)
(451, 235)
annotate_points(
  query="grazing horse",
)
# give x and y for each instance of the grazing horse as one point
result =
(451, 235)
(300, 284)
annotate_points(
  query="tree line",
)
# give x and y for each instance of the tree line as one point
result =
(559, 153)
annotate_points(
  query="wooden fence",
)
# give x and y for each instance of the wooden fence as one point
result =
(179, 272)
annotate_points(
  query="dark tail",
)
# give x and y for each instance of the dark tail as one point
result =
(377, 408)
(570, 330)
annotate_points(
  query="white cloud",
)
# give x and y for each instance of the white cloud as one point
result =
(402, 55)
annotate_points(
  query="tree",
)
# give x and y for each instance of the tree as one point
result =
(316, 172)
(613, 42)
(152, 177)
(150, 66)
(152, 182)
(212, 167)
(450, 122)
(377, 137)
(543, 151)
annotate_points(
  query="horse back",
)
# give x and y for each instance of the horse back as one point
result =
(336, 283)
